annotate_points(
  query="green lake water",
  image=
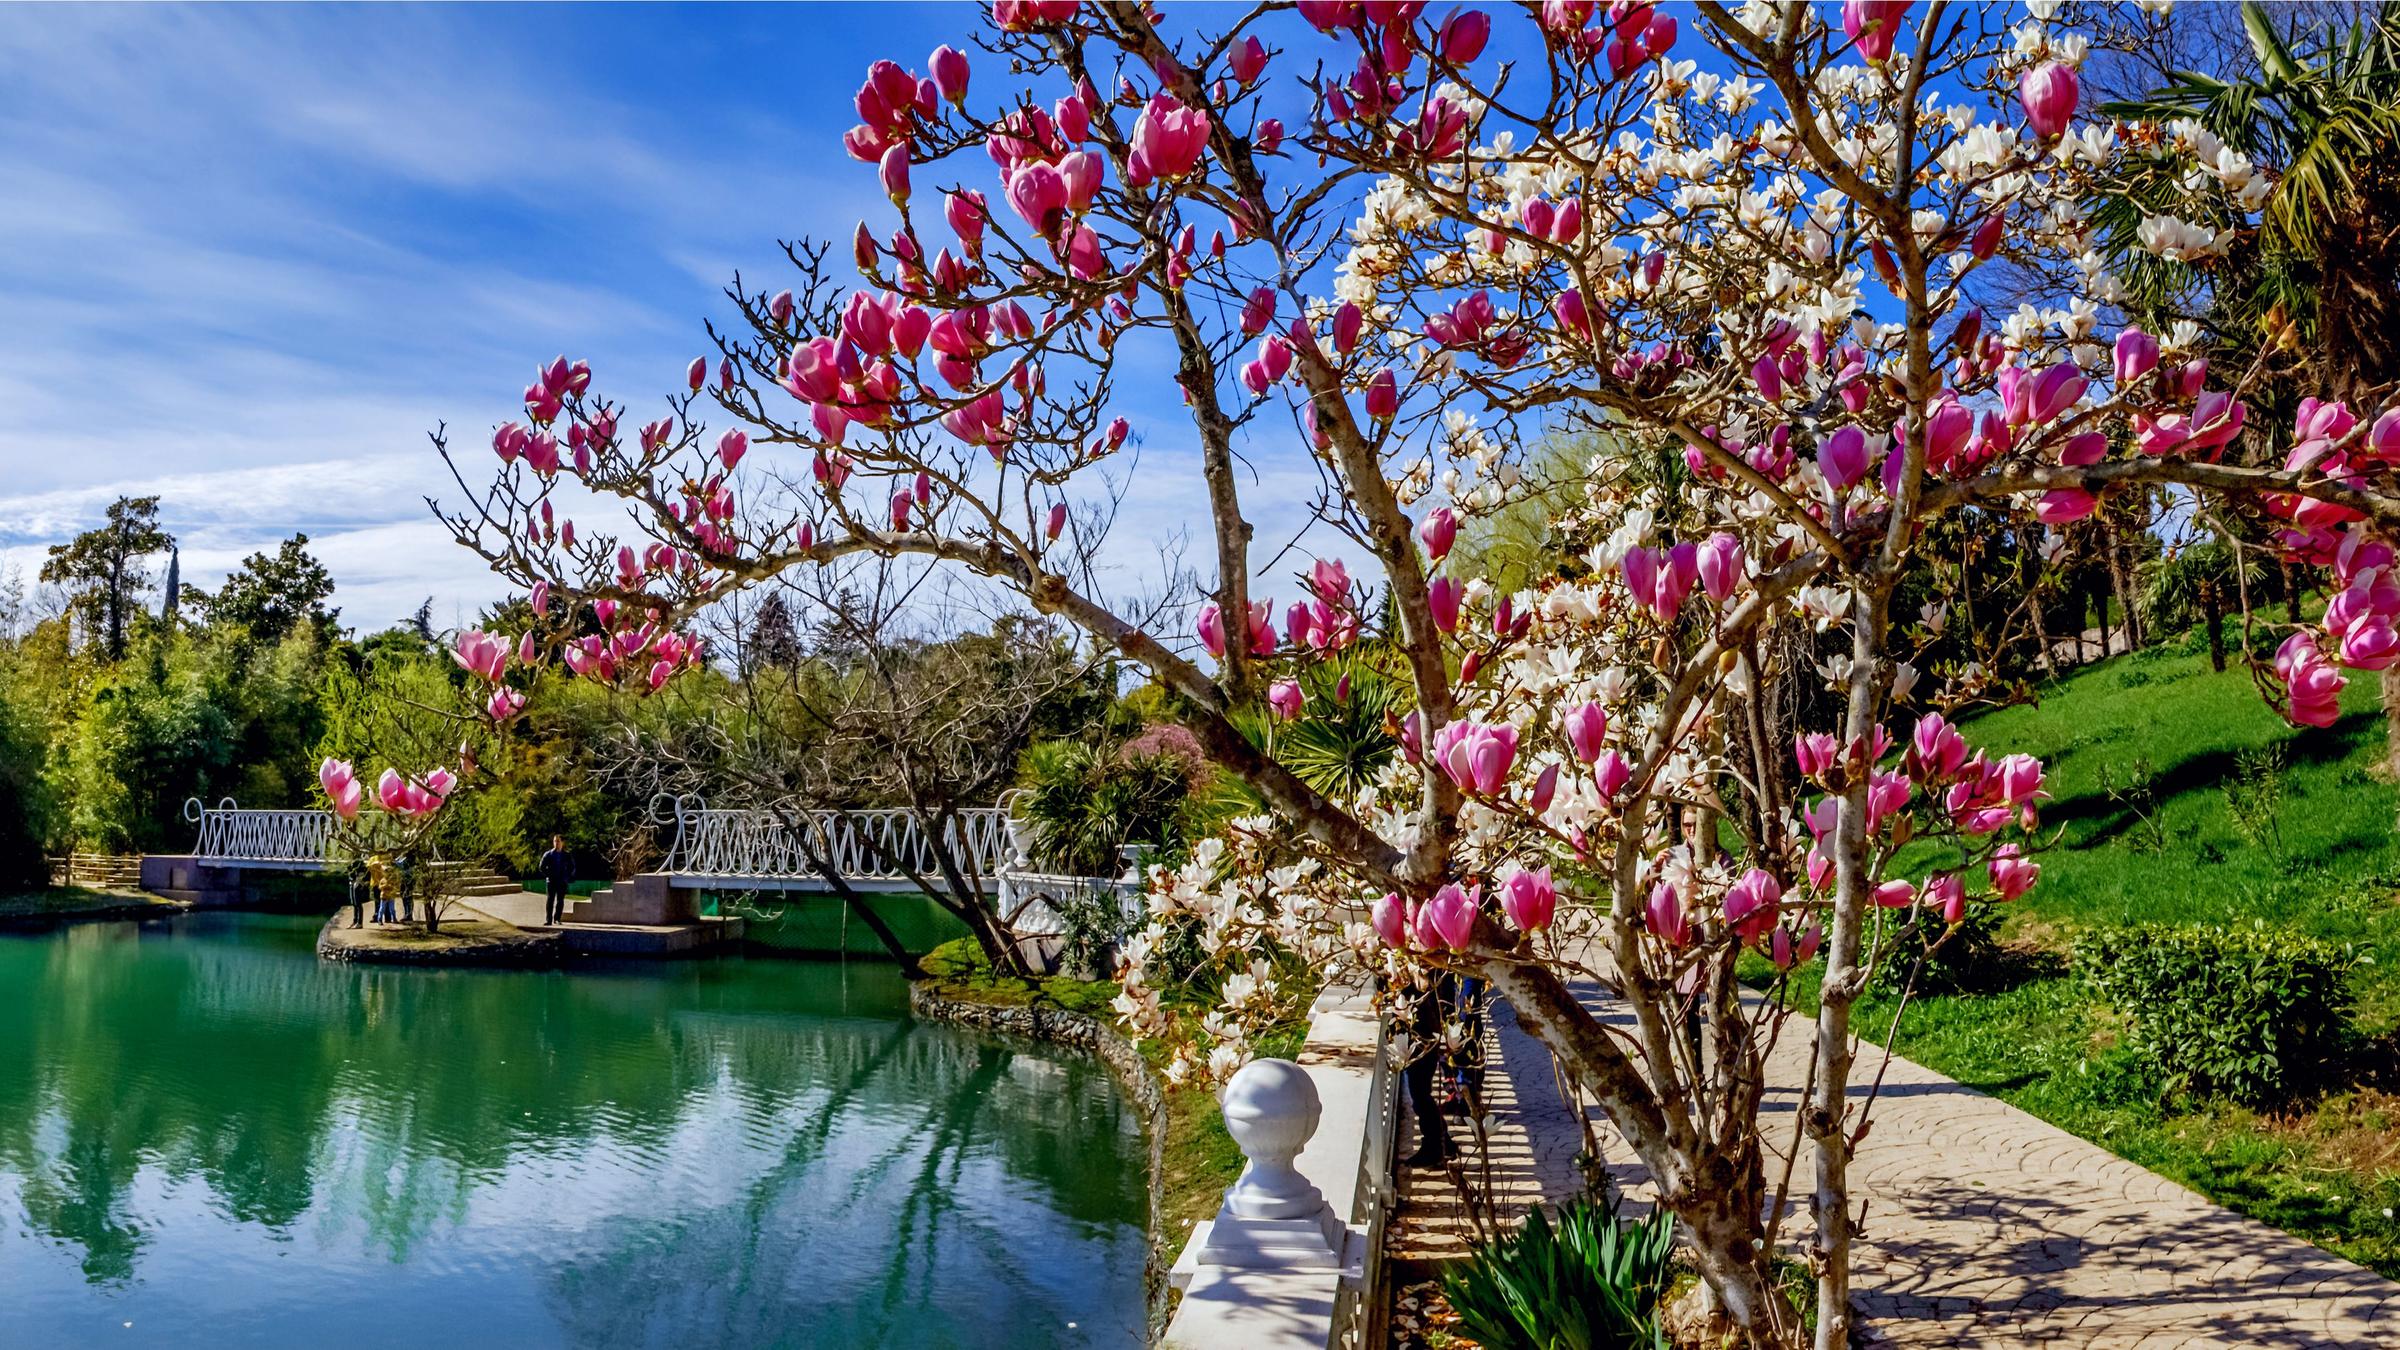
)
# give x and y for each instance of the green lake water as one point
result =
(210, 1138)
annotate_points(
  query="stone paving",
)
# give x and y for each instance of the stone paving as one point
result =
(1985, 1226)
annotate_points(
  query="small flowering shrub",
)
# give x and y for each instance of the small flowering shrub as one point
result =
(2248, 1013)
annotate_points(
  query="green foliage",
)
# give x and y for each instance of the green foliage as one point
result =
(1591, 1282)
(2248, 1013)
(2320, 120)
(1085, 801)
(272, 596)
(25, 796)
(1340, 742)
(2254, 795)
(1929, 957)
(104, 571)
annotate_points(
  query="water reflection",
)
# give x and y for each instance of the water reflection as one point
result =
(206, 1133)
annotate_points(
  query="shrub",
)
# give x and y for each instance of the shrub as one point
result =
(1086, 801)
(1970, 959)
(1592, 1282)
(2249, 1013)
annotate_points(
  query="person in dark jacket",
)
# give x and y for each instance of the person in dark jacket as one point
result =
(1425, 1066)
(558, 872)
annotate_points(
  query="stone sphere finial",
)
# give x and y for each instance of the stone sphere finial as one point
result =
(1271, 1109)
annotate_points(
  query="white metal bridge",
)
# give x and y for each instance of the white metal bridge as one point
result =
(711, 848)
(786, 849)
(292, 841)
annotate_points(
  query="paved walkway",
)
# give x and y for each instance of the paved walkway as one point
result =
(1985, 1226)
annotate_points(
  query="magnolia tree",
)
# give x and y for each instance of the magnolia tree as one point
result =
(412, 724)
(1407, 241)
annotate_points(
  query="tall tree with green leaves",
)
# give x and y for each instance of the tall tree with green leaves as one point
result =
(104, 570)
(273, 595)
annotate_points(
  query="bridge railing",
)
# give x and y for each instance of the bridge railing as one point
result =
(229, 833)
(861, 846)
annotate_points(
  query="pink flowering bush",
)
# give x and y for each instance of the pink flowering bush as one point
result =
(1737, 239)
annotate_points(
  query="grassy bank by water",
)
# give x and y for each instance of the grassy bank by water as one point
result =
(62, 903)
(2140, 750)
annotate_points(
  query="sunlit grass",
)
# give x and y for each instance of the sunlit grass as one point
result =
(2326, 1169)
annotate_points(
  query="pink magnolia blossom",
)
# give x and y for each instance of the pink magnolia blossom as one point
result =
(2136, 355)
(1448, 919)
(2064, 506)
(1330, 578)
(1383, 396)
(2012, 873)
(1463, 36)
(1211, 628)
(1722, 565)
(1587, 731)
(1751, 904)
(1285, 698)
(1842, 457)
(482, 654)
(949, 69)
(2314, 687)
(1529, 898)
(1167, 140)
(1438, 532)
(342, 788)
(1390, 919)
(2049, 92)
(1940, 752)
(1663, 915)
(1442, 598)
(1610, 773)
(1873, 25)
(1946, 895)
(1476, 757)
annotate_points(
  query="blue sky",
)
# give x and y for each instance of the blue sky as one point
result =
(250, 255)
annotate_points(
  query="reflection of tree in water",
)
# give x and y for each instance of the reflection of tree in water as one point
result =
(369, 1108)
(940, 1233)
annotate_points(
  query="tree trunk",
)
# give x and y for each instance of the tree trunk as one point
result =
(2212, 611)
(2122, 584)
(2291, 591)
(1826, 1112)
(2388, 686)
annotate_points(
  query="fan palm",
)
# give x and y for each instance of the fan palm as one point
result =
(2318, 276)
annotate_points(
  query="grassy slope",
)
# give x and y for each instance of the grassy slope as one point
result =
(2327, 1170)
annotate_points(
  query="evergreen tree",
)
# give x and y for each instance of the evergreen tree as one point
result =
(103, 570)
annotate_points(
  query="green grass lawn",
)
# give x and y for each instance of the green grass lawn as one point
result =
(67, 902)
(2327, 1169)
(2161, 719)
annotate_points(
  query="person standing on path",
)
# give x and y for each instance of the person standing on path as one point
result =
(558, 872)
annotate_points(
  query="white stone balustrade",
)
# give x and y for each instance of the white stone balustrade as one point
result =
(1290, 1260)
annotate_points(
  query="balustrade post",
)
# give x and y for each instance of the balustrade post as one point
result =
(1273, 1218)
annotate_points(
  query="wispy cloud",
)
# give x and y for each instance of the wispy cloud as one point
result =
(250, 255)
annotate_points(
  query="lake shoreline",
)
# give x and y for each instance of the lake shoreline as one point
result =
(111, 906)
(1091, 1035)
(468, 940)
